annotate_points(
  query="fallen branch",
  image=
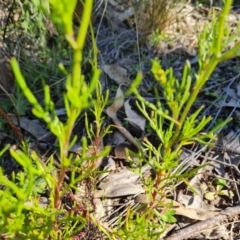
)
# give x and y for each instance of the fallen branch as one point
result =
(201, 226)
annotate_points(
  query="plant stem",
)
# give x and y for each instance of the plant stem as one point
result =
(76, 83)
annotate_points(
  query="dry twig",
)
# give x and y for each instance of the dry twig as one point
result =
(204, 225)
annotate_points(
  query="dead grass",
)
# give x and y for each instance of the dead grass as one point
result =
(154, 15)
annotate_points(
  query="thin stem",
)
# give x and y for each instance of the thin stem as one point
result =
(57, 200)
(76, 84)
(220, 28)
(81, 37)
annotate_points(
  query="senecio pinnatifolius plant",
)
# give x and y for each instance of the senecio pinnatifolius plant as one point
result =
(20, 220)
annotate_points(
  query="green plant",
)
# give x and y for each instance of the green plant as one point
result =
(184, 127)
(22, 221)
(176, 125)
(219, 184)
(136, 227)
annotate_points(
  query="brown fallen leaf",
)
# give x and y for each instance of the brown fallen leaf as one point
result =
(118, 103)
(120, 190)
(134, 118)
(196, 214)
(124, 176)
(112, 113)
(116, 73)
(34, 127)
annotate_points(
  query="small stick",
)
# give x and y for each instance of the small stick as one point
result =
(204, 225)
(16, 129)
